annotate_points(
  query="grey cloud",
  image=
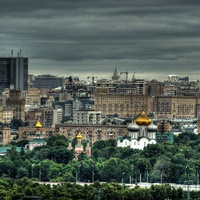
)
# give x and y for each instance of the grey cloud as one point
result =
(99, 35)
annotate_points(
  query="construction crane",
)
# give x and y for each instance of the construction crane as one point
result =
(126, 75)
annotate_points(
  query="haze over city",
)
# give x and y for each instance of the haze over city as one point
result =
(81, 38)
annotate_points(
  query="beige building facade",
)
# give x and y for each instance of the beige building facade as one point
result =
(123, 105)
(5, 136)
(30, 132)
(16, 102)
(45, 115)
(92, 132)
(33, 96)
(176, 107)
(7, 115)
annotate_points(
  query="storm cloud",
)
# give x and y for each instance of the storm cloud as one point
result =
(66, 37)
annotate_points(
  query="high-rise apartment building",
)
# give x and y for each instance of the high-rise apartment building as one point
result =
(13, 73)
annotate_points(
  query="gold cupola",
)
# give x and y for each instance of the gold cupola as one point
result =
(38, 125)
(79, 136)
(143, 120)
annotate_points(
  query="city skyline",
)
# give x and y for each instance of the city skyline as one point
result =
(151, 39)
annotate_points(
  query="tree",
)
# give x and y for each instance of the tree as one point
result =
(53, 140)
(61, 154)
(16, 123)
(15, 157)
(111, 171)
(22, 172)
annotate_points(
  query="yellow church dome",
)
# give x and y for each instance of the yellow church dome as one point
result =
(38, 125)
(143, 120)
(79, 136)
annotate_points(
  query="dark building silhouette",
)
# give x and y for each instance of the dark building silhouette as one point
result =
(48, 81)
(13, 73)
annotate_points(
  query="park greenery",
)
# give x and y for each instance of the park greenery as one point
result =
(159, 163)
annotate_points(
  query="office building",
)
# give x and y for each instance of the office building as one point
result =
(13, 73)
(48, 81)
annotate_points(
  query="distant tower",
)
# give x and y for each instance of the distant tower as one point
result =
(115, 76)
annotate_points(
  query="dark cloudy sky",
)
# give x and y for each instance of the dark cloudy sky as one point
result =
(152, 38)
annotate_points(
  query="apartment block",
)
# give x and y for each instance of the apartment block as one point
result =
(17, 103)
(33, 97)
(123, 105)
(44, 115)
(86, 117)
(92, 132)
(176, 106)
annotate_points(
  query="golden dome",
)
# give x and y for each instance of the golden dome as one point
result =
(38, 125)
(143, 120)
(79, 136)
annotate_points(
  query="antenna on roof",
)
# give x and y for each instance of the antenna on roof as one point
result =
(12, 53)
(20, 53)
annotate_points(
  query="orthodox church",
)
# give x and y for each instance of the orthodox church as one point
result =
(79, 148)
(38, 138)
(142, 132)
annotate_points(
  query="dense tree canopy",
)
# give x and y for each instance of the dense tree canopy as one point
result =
(161, 163)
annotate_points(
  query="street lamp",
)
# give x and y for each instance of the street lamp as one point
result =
(40, 172)
(147, 173)
(77, 173)
(92, 173)
(187, 180)
(32, 170)
(131, 177)
(197, 171)
(9, 173)
(123, 178)
(136, 178)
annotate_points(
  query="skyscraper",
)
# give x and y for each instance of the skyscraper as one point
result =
(13, 73)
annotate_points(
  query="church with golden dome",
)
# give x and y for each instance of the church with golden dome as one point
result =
(142, 132)
(79, 148)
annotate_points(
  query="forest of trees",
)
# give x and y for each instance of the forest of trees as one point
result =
(159, 163)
